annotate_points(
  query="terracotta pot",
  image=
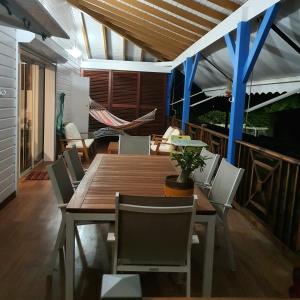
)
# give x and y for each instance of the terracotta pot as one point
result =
(173, 188)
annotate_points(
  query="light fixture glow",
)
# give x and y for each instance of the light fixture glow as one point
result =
(75, 52)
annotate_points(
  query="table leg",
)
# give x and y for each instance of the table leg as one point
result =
(70, 257)
(209, 256)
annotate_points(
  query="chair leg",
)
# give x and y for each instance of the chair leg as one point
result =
(229, 247)
(58, 244)
(188, 283)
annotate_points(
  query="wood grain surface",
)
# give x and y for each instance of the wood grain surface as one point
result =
(127, 174)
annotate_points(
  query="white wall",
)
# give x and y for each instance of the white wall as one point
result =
(8, 111)
(64, 85)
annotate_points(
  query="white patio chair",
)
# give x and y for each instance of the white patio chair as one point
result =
(73, 137)
(221, 195)
(129, 144)
(203, 178)
(154, 234)
(64, 191)
(74, 165)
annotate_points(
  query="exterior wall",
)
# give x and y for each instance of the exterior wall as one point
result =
(8, 112)
(64, 74)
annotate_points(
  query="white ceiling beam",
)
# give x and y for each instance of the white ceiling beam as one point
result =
(120, 65)
(246, 12)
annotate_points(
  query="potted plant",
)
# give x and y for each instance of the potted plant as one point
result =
(182, 185)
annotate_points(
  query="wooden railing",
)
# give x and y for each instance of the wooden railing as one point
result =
(270, 188)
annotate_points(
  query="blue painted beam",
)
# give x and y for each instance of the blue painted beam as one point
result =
(230, 46)
(188, 68)
(260, 39)
(195, 65)
(238, 89)
(169, 92)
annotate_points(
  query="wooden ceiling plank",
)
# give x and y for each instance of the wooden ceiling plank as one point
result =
(153, 19)
(104, 34)
(149, 26)
(127, 23)
(230, 5)
(85, 37)
(203, 9)
(161, 14)
(183, 13)
(122, 32)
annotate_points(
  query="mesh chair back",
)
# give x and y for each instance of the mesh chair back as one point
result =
(129, 144)
(205, 176)
(61, 181)
(73, 162)
(153, 230)
(225, 184)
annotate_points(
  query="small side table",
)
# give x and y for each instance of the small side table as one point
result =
(113, 148)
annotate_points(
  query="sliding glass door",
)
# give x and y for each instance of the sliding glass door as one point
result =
(31, 114)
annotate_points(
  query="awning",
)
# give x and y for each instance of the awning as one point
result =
(30, 15)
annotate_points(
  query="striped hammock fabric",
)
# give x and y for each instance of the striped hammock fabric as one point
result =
(102, 115)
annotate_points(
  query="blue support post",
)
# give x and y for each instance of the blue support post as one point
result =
(169, 92)
(243, 63)
(238, 88)
(190, 67)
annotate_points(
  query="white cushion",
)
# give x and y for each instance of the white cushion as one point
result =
(78, 144)
(175, 132)
(168, 132)
(72, 132)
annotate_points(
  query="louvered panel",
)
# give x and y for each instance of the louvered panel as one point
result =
(125, 88)
(99, 91)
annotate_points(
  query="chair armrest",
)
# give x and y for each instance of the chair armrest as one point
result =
(159, 139)
(62, 206)
(156, 136)
(161, 143)
(221, 204)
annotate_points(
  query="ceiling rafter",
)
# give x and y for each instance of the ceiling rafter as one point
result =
(132, 26)
(100, 5)
(142, 58)
(85, 37)
(203, 9)
(183, 13)
(104, 34)
(151, 39)
(161, 14)
(160, 55)
(230, 5)
(153, 19)
(124, 49)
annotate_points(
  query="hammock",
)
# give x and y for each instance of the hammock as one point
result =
(103, 116)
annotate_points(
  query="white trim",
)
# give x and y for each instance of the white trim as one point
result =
(246, 12)
(103, 64)
(276, 99)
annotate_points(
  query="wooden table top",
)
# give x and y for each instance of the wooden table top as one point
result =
(127, 174)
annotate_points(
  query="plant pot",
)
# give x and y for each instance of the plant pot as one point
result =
(173, 188)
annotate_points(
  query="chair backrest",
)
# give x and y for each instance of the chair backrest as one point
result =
(72, 132)
(168, 132)
(225, 184)
(73, 162)
(153, 230)
(211, 162)
(129, 144)
(60, 179)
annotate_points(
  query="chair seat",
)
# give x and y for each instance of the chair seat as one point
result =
(78, 144)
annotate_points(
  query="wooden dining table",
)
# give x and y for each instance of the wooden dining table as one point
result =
(94, 200)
